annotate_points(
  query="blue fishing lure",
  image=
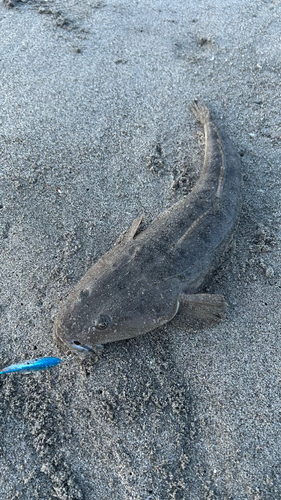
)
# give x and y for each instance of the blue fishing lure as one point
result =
(32, 365)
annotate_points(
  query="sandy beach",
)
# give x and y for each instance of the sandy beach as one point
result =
(95, 130)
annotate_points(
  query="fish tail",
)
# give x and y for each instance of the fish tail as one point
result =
(200, 110)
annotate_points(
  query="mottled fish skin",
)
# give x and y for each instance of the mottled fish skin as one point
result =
(31, 365)
(139, 284)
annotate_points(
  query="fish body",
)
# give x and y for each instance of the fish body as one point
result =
(139, 284)
(32, 365)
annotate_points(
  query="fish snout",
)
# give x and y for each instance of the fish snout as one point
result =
(63, 341)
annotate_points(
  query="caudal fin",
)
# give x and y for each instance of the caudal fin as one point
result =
(200, 110)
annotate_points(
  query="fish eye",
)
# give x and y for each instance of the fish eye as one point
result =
(102, 322)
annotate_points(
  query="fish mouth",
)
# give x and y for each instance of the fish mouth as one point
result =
(74, 345)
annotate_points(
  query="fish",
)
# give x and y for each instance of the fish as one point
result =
(32, 365)
(141, 282)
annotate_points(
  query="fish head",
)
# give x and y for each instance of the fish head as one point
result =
(113, 307)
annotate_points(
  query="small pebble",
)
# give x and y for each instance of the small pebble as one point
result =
(269, 272)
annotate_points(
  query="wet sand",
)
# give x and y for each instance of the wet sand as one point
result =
(95, 129)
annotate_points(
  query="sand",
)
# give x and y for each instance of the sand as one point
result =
(95, 128)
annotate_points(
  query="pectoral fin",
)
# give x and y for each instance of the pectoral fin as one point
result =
(204, 306)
